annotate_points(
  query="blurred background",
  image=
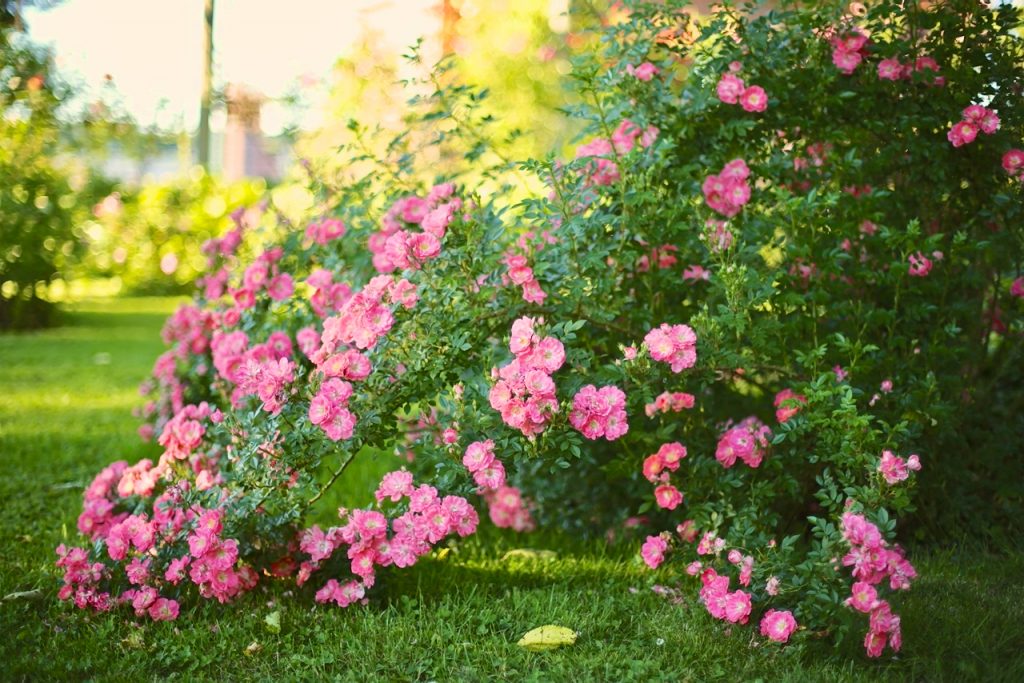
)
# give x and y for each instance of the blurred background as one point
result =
(132, 129)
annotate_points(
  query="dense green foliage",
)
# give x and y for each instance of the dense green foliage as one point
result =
(40, 197)
(150, 237)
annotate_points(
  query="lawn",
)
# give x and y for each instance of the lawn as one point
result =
(65, 411)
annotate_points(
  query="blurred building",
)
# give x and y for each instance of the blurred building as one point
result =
(246, 152)
(239, 149)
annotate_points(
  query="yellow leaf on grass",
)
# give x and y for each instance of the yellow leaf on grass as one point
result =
(134, 641)
(530, 554)
(547, 638)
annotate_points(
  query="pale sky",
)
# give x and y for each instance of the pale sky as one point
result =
(153, 48)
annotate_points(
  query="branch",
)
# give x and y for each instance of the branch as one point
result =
(334, 478)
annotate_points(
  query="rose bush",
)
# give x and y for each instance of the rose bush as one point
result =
(769, 277)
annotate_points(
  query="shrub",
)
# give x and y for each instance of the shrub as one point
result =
(771, 276)
(39, 202)
(149, 236)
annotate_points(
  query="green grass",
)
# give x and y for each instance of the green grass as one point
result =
(65, 402)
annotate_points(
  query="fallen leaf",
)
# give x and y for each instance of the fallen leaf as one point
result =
(547, 638)
(253, 648)
(134, 641)
(273, 621)
(34, 594)
(530, 554)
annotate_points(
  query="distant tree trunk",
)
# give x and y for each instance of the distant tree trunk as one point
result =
(204, 109)
(17, 23)
(449, 26)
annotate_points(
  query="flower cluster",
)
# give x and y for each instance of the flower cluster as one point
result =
(397, 246)
(747, 441)
(599, 413)
(848, 50)
(524, 392)
(428, 518)
(667, 402)
(189, 330)
(183, 433)
(341, 594)
(662, 258)
(81, 579)
(732, 90)
(710, 544)
(351, 365)
(155, 551)
(216, 250)
(140, 479)
(657, 469)
(720, 603)
(809, 271)
(624, 137)
(366, 316)
(873, 561)
(212, 561)
(264, 273)
(267, 379)
(1013, 163)
(644, 72)
(895, 469)
(508, 509)
(487, 471)
(225, 245)
(975, 118)
(731, 606)
(891, 69)
(673, 344)
(97, 514)
(729, 190)
(787, 404)
(328, 295)
(653, 551)
(601, 168)
(329, 409)
(229, 350)
(520, 273)
(325, 231)
(920, 265)
(134, 532)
